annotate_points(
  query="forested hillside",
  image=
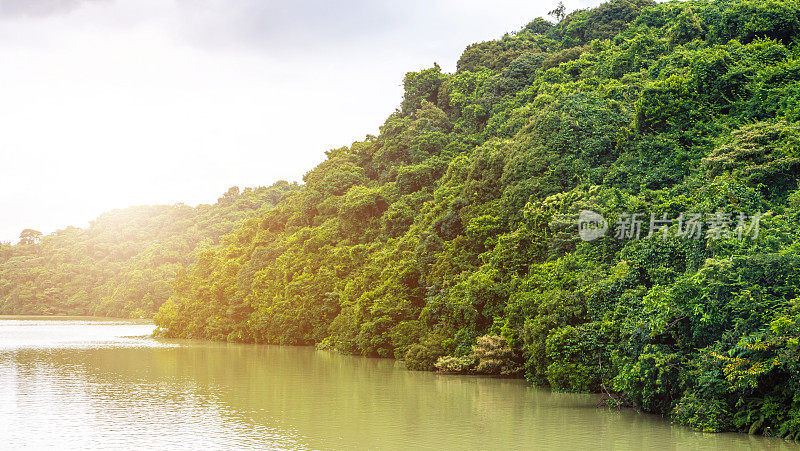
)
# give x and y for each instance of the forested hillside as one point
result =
(451, 239)
(125, 263)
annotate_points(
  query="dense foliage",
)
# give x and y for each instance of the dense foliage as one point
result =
(451, 241)
(125, 262)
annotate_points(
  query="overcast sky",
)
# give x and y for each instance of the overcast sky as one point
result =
(111, 103)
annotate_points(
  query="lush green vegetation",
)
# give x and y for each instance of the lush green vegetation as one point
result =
(124, 264)
(450, 239)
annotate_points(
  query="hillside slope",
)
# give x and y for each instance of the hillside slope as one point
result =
(125, 263)
(451, 239)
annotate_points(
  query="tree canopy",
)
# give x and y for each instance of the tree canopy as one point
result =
(125, 262)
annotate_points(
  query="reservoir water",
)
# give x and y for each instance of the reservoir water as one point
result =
(91, 383)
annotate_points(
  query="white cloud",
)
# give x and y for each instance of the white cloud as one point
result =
(106, 104)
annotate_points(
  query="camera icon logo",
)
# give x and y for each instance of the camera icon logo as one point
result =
(591, 225)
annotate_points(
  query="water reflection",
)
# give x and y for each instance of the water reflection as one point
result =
(95, 384)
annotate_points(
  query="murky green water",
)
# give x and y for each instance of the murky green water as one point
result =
(90, 383)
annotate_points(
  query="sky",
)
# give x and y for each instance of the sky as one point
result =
(107, 104)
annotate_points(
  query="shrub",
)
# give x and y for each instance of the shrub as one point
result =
(707, 415)
(450, 364)
(493, 355)
(423, 356)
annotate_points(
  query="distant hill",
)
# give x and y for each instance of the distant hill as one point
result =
(125, 262)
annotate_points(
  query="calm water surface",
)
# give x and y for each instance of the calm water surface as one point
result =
(83, 383)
